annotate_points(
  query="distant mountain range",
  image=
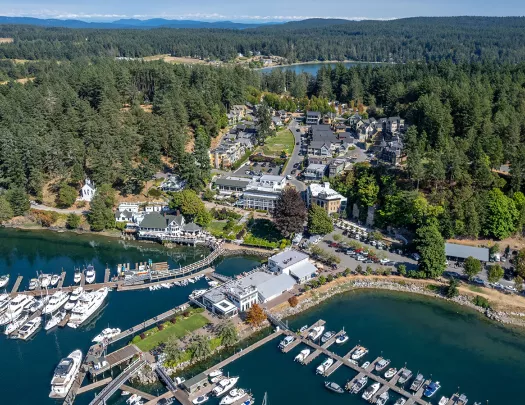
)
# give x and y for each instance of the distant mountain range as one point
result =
(130, 23)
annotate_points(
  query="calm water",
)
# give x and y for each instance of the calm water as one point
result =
(27, 367)
(310, 68)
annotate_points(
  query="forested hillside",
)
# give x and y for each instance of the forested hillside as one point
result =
(423, 39)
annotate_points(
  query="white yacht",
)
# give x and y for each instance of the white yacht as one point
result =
(4, 302)
(16, 324)
(383, 398)
(359, 352)
(86, 306)
(327, 336)
(324, 366)
(15, 308)
(200, 400)
(215, 373)
(390, 373)
(443, 401)
(106, 334)
(234, 396)
(33, 284)
(29, 328)
(133, 400)
(381, 364)
(90, 274)
(65, 374)
(55, 320)
(197, 293)
(38, 304)
(402, 401)
(78, 276)
(358, 385)
(224, 386)
(370, 391)
(55, 278)
(44, 280)
(73, 298)
(4, 280)
(316, 332)
(56, 301)
(342, 338)
(301, 357)
(288, 340)
(365, 364)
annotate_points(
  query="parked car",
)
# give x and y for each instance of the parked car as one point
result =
(288, 177)
(384, 261)
(415, 256)
(297, 143)
(360, 258)
(294, 171)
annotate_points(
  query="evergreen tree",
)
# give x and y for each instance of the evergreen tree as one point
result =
(472, 267)
(431, 248)
(264, 123)
(66, 196)
(6, 212)
(18, 200)
(101, 215)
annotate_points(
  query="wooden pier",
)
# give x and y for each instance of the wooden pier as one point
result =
(64, 321)
(117, 357)
(62, 279)
(17, 285)
(312, 357)
(166, 395)
(92, 386)
(106, 276)
(288, 348)
(334, 367)
(82, 279)
(143, 394)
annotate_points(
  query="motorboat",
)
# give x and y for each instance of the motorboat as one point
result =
(200, 400)
(55, 278)
(16, 324)
(4, 280)
(4, 302)
(234, 396)
(301, 357)
(354, 362)
(316, 332)
(381, 364)
(65, 374)
(77, 278)
(370, 391)
(133, 400)
(431, 389)
(216, 379)
(406, 374)
(461, 400)
(197, 293)
(342, 338)
(90, 274)
(55, 320)
(365, 364)
(359, 385)
(73, 298)
(327, 336)
(191, 280)
(359, 352)
(29, 328)
(443, 401)
(303, 328)
(418, 382)
(332, 386)
(383, 398)
(33, 284)
(324, 366)
(15, 308)
(390, 372)
(37, 305)
(44, 280)
(215, 373)
(107, 333)
(402, 401)
(125, 393)
(224, 386)
(56, 301)
(86, 306)
(288, 340)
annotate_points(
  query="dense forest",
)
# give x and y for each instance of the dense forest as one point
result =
(422, 39)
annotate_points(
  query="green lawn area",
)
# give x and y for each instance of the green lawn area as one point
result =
(178, 329)
(216, 227)
(283, 140)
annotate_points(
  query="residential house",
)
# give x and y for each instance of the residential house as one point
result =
(335, 167)
(324, 142)
(392, 151)
(173, 183)
(155, 224)
(325, 197)
(87, 192)
(329, 118)
(277, 121)
(313, 117)
(263, 192)
(314, 171)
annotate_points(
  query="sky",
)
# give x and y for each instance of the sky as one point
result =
(249, 10)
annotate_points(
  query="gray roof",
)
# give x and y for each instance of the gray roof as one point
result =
(288, 258)
(127, 214)
(192, 227)
(313, 113)
(319, 144)
(222, 181)
(197, 380)
(316, 167)
(463, 251)
(276, 286)
(303, 270)
(154, 220)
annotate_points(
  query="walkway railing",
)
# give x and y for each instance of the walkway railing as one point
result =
(166, 378)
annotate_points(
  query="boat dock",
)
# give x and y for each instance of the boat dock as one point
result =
(106, 276)
(17, 284)
(62, 279)
(64, 321)
(132, 390)
(295, 343)
(92, 386)
(117, 357)
(166, 395)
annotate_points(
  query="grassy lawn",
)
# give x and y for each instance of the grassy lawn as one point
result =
(263, 233)
(179, 329)
(216, 227)
(475, 288)
(283, 140)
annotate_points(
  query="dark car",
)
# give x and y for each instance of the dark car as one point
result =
(297, 130)
(270, 170)
(294, 171)
(255, 164)
(298, 143)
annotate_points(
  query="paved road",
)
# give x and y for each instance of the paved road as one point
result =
(295, 158)
(59, 210)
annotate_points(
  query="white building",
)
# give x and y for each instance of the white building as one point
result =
(325, 197)
(293, 263)
(87, 192)
(263, 192)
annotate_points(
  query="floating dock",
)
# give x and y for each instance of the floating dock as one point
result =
(62, 279)
(106, 275)
(94, 385)
(143, 394)
(17, 284)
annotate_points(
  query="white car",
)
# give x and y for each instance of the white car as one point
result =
(384, 261)
(360, 258)
(289, 177)
(415, 256)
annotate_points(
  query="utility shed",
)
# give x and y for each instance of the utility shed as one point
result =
(195, 383)
(455, 251)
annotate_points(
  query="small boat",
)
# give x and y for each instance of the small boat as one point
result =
(55, 320)
(55, 278)
(200, 400)
(303, 328)
(90, 274)
(342, 338)
(431, 389)
(359, 385)
(383, 398)
(125, 393)
(417, 383)
(461, 400)
(402, 401)
(327, 336)
(301, 357)
(365, 364)
(215, 373)
(443, 401)
(4, 280)
(224, 386)
(381, 364)
(45, 280)
(390, 372)
(107, 333)
(406, 374)
(332, 386)
(191, 280)
(29, 328)
(33, 284)
(234, 396)
(286, 341)
(16, 324)
(359, 352)
(370, 391)
(133, 400)
(316, 332)
(77, 278)
(324, 366)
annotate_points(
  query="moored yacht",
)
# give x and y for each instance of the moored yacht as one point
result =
(15, 308)
(16, 324)
(359, 385)
(327, 336)
(38, 304)
(29, 328)
(301, 357)
(200, 400)
(383, 398)
(390, 372)
(431, 389)
(443, 401)
(77, 277)
(224, 386)
(359, 352)
(55, 319)
(73, 298)
(342, 338)
(316, 332)
(65, 374)
(106, 334)
(55, 278)
(44, 280)
(370, 391)
(406, 374)
(381, 364)
(215, 373)
(418, 382)
(402, 401)
(324, 366)
(365, 364)
(86, 306)
(33, 284)
(332, 386)
(234, 395)
(90, 274)
(56, 301)
(461, 400)
(288, 340)
(4, 280)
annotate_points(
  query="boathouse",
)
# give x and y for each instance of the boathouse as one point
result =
(195, 383)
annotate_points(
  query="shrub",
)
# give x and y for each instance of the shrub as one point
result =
(173, 320)
(154, 192)
(142, 335)
(402, 270)
(481, 302)
(293, 301)
(161, 327)
(186, 313)
(136, 339)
